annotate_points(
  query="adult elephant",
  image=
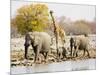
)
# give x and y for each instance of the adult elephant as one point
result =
(40, 42)
(81, 43)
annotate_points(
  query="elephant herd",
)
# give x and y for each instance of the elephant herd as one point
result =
(41, 42)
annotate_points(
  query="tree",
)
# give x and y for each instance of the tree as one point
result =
(77, 27)
(32, 17)
(92, 25)
(81, 27)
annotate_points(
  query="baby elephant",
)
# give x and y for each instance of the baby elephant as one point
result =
(81, 43)
(40, 42)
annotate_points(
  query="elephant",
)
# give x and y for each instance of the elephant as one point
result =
(64, 52)
(81, 43)
(40, 42)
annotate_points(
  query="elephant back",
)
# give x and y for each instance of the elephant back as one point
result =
(45, 39)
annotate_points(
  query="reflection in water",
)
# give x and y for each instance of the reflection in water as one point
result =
(54, 67)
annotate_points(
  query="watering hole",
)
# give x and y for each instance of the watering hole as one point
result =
(88, 64)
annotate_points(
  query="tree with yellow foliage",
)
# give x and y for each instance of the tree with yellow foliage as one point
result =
(32, 17)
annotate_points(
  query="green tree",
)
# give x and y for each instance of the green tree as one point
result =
(32, 17)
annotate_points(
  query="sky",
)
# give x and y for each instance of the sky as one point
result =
(72, 11)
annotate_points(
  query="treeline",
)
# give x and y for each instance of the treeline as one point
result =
(77, 27)
(35, 17)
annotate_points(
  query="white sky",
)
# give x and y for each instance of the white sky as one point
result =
(72, 11)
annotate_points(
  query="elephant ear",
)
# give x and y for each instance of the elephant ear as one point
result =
(38, 38)
(31, 35)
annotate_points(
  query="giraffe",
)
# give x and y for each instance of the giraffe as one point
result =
(59, 33)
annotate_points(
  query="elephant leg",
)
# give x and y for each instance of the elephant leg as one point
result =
(74, 51)
(43, 55)
(88, 53)
(34, 48)
(36, 53)
(75, 54)
(64, 55)
(57, 53)
(60, 55)
(26, 51)
(36, 57)
(71, 51)
(84, 52)
(46, 56)
(64, 52)
(26, 45)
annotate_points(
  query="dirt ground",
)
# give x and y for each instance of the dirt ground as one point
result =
(17, 53)
(17, 58)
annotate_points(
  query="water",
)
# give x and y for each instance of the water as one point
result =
(88, 64)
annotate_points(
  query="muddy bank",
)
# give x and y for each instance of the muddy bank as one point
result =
(87, 64)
